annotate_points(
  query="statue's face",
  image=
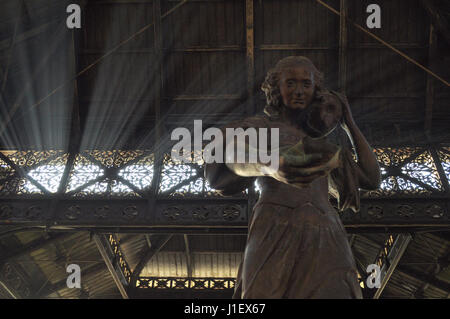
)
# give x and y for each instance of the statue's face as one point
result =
(297, 87)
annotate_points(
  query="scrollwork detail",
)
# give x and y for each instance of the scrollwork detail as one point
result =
(435, 211)
(230, 213)
(201, 213)
(102, 212)
(33, 212)
(73, 212)
(6, 211)
(406, 211)
(130, 212)
(172, 213)
(375, 211)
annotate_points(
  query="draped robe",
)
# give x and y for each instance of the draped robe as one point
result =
(296, 246)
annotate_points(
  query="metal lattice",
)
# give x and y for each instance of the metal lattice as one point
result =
(115, 158)
(406, 171)
(94, 173)
(390, 157)
(48, 175)
(444, 155)
(115, 247)
(32, 159)
(409, 171)
(184, 180)
(185, 283)
(82, 173)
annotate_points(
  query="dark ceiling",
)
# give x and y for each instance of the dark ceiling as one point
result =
(57, 83)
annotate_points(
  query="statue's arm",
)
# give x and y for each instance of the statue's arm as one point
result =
(246, 169)
(290, 165)
(368, 169)
(221, 178)
(231, 178)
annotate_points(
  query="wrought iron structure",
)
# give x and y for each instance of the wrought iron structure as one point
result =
(413, 171)
(15, 281)
(107, 190)
(184, 287)
(185, 283)
(117, 265)
(112, 191)
(389, 257)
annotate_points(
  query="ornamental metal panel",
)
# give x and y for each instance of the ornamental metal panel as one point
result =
(406, 172)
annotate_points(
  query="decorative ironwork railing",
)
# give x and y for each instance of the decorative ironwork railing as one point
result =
(407, 171)
(97, 173)
(185, 283)
(116, 250)
(412, 171)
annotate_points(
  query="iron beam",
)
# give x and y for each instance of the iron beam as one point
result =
(430, 279)
(157, 244)
(174, 215)
(112, 263)
(342, 64)
(430, 81)
(394, 253)
(15, 281)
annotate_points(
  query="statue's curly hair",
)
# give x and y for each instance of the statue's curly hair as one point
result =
(271, 86)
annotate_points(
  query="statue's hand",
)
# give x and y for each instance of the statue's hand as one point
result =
(299, 167)
(299, 170)
(346, 110)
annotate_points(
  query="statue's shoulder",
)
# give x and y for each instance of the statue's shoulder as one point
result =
(252, 121)
(261, 121)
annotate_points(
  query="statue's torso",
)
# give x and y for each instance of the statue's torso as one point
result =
(297, 246)
(275, 192)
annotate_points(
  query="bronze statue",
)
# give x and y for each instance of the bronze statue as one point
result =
(297, 246)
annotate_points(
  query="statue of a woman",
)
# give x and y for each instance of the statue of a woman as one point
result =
(297, 246)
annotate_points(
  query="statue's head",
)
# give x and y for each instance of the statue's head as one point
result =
(323, 115)
(294, 82)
